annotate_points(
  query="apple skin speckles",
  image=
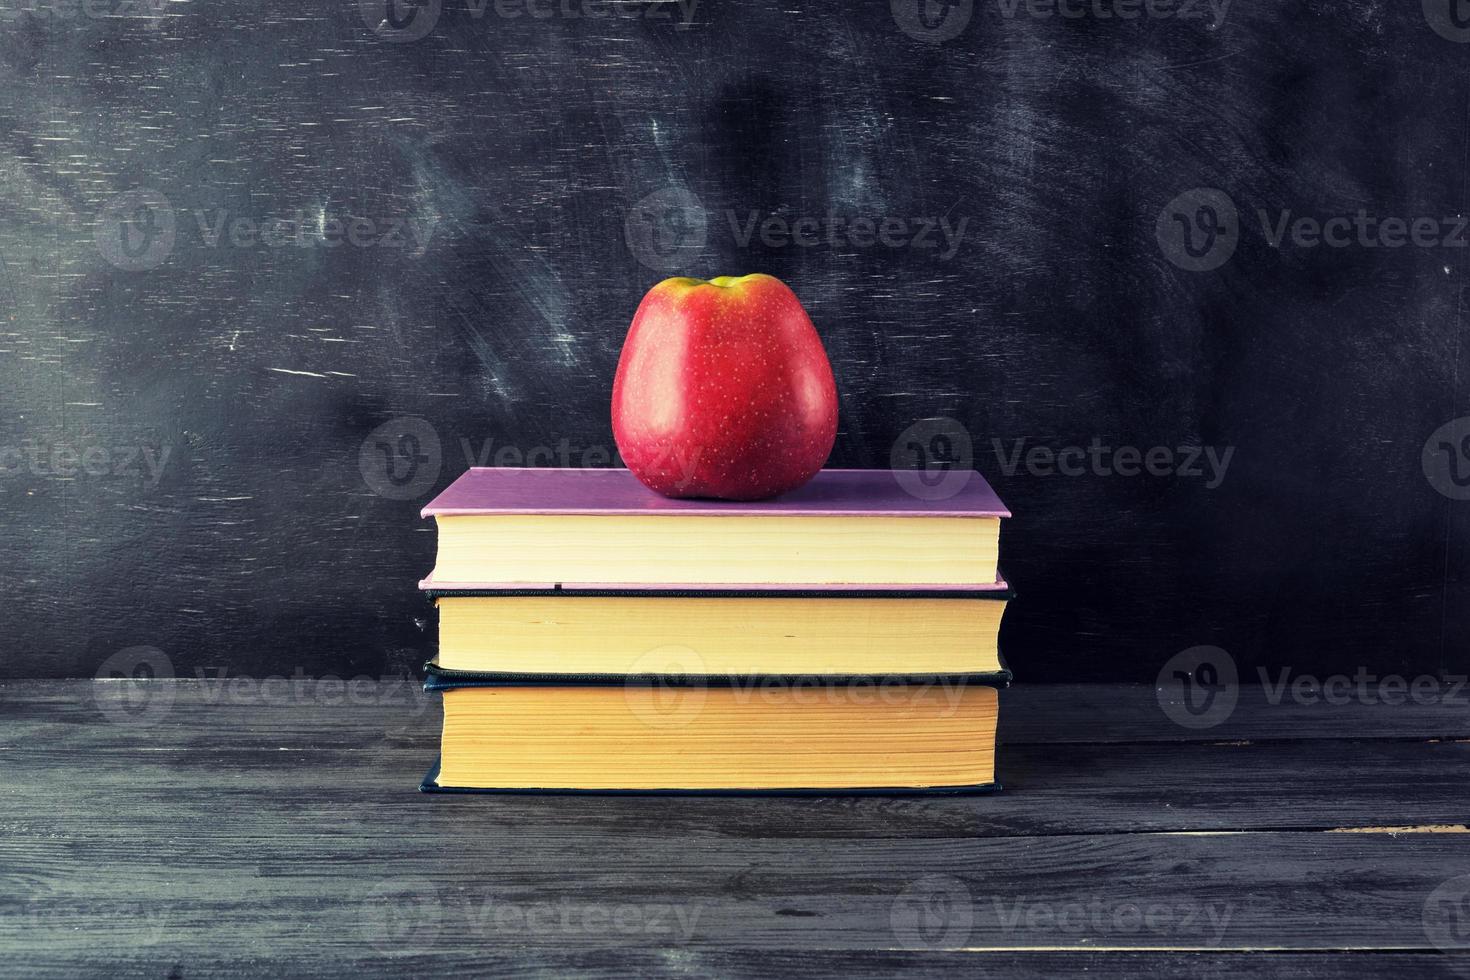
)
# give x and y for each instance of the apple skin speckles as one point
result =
(723, 390)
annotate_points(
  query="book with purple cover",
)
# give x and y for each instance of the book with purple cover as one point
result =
(846, 493)
(602, 530)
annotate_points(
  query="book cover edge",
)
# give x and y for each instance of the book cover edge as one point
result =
(430, 785)
(434, 509)
(448, 679)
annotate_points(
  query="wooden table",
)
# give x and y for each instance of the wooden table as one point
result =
(240, 828)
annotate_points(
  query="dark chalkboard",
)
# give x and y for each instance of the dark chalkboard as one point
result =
(272, 274)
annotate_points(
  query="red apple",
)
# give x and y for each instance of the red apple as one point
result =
(723, 390)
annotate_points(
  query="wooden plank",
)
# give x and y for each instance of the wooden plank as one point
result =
(1050, 790)
(248, 713)
(510, 963)
(1093, 713)
(74, 893)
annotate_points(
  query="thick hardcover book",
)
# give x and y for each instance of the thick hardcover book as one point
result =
(529, 732)
(721, 631)
(602, 529)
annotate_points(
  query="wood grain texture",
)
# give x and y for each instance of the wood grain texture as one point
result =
(356, 794)
(524, 150)
(169, 850)
(224, 713)
(1251, 891)
(759, 964)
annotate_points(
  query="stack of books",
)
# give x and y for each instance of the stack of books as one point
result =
(595, 636)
